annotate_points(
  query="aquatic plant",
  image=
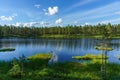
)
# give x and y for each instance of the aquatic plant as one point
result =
(7, 49)
(103, 48)
(90, 57)
(40, 56)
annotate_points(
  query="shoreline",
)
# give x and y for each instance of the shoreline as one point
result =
(61, 37)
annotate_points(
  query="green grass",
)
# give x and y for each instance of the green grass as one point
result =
(7, 49)
(89, 57)
(61, 36)
(65, 36)
(40, 56)
(103, 48)
(37, 69)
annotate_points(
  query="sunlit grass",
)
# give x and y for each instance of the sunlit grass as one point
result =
(90, 57)
(40, 56)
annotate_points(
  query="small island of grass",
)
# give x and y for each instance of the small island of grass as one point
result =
(40, 56)
(90, 57)
(103, 48)
(7, 49)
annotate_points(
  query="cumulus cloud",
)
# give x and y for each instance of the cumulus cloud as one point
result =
(4, 18)
(52, 10)
(8, 18)
(37, 5)
(58, 21)
(30, 24)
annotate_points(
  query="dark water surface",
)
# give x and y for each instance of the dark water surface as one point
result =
(65, 48)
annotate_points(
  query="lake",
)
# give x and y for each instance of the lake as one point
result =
(64, 48)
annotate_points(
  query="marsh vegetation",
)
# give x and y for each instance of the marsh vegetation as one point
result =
(38, 68)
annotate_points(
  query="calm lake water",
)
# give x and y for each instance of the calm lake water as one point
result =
(64, 48)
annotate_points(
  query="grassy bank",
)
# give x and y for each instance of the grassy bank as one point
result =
(39, 69)
(55, 36)
(76, 36)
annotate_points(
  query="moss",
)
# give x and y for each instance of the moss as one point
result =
(7, 49)
(103, 48)
(90, 57)
(40, 56)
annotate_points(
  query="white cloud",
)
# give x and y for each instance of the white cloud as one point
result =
(4, 18)
(18, 24)
(58, 21)
(30, 24)
(87, 23)
(42, 23)
(52, 11)
(37, 5)
(8, 18)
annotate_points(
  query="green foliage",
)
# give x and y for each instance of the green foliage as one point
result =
(59, 71)
(35, 69)
(104, 30)
(15, 71)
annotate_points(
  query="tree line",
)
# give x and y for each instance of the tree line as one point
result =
(99, 29)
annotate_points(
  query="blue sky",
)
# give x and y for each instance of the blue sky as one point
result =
(58, 12)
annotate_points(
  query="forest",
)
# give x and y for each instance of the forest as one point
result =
(69, 30)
